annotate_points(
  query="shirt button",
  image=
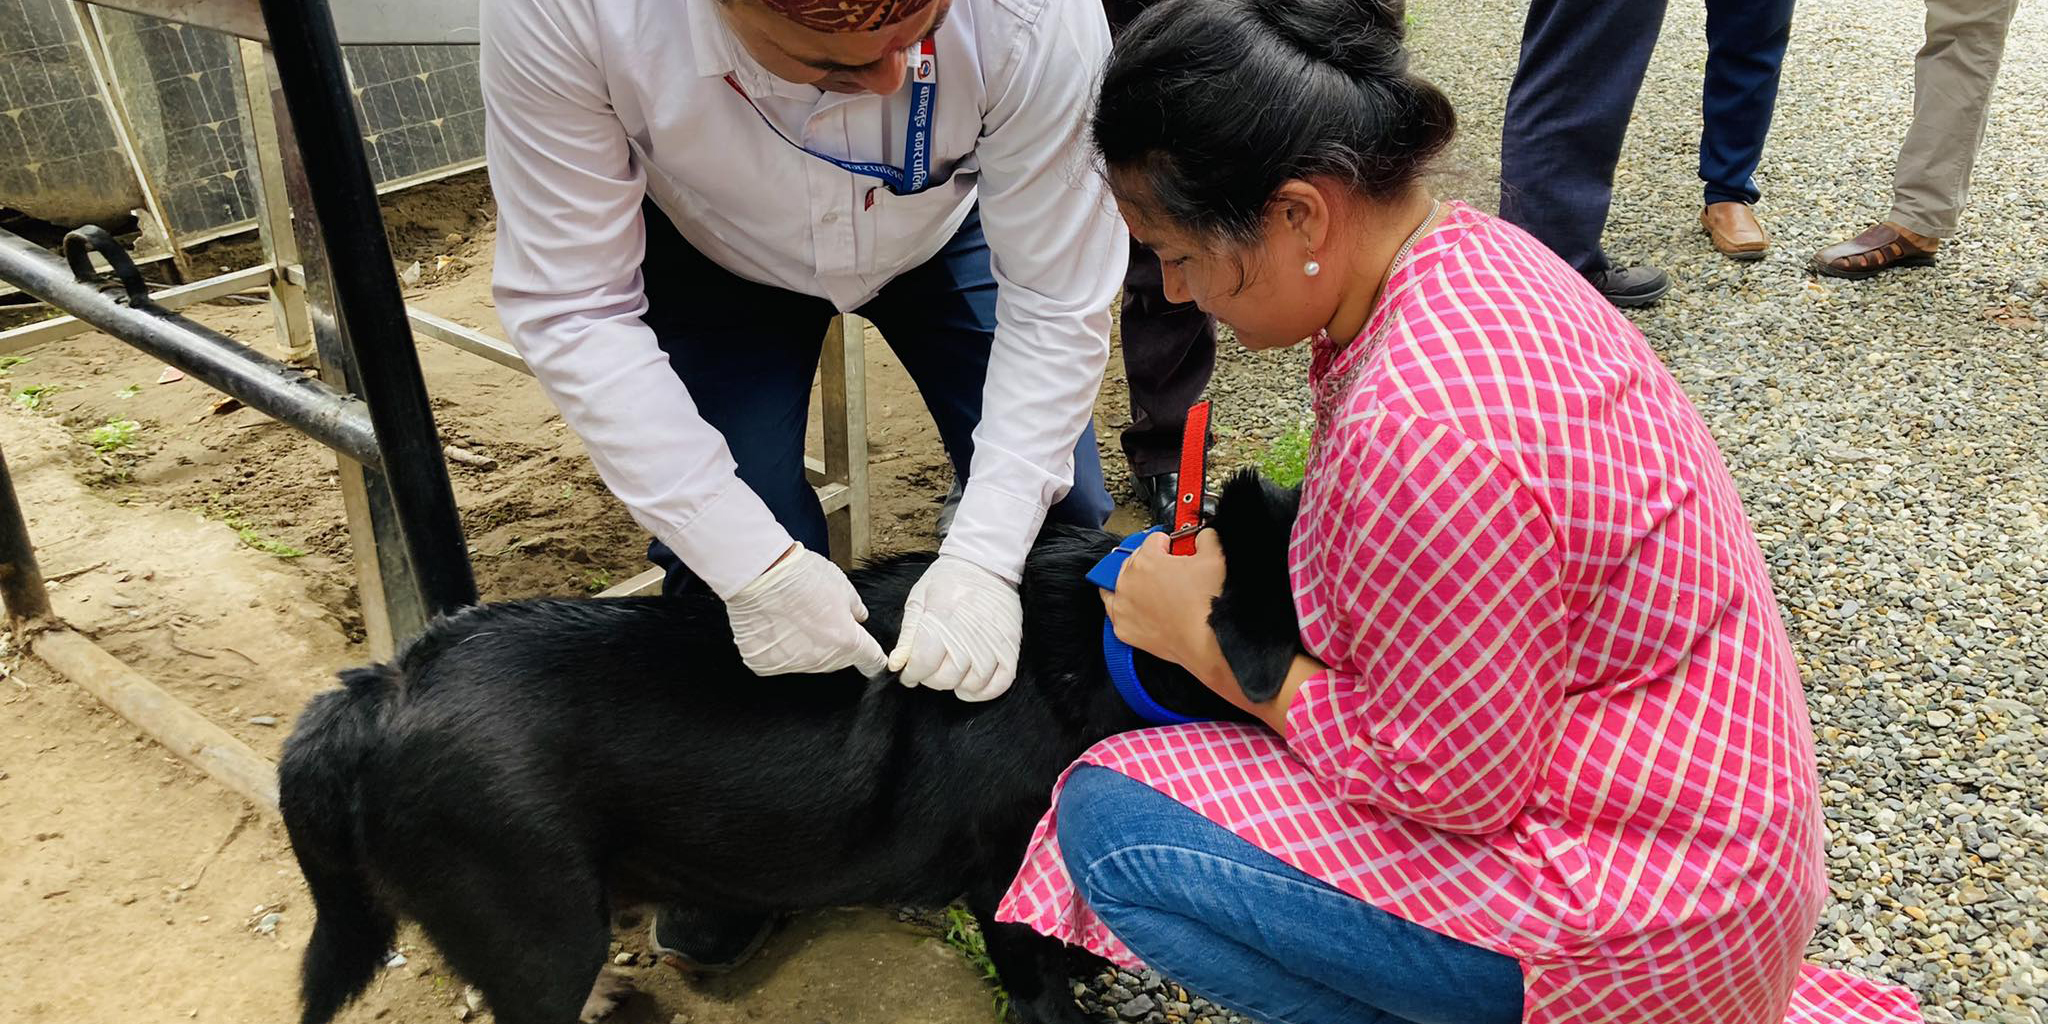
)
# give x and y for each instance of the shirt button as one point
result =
(830, 218)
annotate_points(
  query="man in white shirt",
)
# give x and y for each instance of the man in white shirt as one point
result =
(668, 257)
(687, 191)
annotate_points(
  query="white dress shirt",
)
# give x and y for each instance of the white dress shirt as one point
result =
(591, 104)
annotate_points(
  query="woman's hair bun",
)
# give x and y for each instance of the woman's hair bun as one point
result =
(1208, 107)
(1362, 38)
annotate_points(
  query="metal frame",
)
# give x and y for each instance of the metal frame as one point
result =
(388, 435)
(58, 328)
(91, 35)
(337, 299)
(421, 22)
(338, 307)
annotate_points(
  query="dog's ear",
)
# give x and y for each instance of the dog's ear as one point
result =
(1254, 616)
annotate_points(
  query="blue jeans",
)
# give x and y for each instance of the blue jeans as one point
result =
(1246, 930)
(748, 353)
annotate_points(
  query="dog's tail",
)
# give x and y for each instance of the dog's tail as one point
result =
(318, 798)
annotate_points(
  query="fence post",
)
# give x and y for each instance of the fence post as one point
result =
(369, 311)
(21, 579)
(393, 606)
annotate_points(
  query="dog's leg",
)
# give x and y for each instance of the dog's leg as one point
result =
(611, 989)
(1037, 971)
(531, 935)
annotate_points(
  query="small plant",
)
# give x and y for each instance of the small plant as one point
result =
(10, 362)
(249, 534)
(963, 934)
(268, 546)
(31, 397)
(1286, 461)
(129, 392)
(114, 435)
(598, 581)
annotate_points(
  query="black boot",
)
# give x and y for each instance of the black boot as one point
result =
(1630, 287)
(1159, 492)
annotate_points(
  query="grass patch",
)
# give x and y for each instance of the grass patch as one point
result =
(113, 435)
(1286, 460)
(31, 397)
(963, 934)
(248, 533)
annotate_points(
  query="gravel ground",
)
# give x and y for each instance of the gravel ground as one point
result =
(1891, 441)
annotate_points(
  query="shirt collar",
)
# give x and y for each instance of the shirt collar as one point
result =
(715, 47)
(719, 53)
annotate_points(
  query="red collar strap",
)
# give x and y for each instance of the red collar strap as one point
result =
(1194, 466)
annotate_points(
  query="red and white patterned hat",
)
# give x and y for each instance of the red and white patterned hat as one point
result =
(847, 15)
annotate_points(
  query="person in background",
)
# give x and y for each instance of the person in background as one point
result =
(1952, 79)
(1169, 354)
(1575, 89)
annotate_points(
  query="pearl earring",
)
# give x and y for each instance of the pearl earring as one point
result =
(1311, 268)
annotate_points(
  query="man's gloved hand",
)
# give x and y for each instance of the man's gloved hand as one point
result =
(802, 615)
(961, 630)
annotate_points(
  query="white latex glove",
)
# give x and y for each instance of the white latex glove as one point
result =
(962, 626)
(802, 615)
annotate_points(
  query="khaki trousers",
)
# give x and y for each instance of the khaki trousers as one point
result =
(1952, 78)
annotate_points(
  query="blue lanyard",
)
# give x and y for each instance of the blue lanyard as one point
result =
(916, 173)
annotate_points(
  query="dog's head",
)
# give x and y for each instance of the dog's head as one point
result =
(1254, 617)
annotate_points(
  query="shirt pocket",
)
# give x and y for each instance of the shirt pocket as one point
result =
(905, 231)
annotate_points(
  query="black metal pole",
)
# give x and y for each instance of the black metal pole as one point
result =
(21, 580)
(262, 383)
(315, 87)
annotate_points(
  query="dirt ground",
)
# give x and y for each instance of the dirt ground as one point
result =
(209, 552)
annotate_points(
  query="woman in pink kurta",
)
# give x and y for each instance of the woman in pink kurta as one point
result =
(1548, 710)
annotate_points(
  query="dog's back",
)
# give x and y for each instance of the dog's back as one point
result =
(520, 767)
(523, 767)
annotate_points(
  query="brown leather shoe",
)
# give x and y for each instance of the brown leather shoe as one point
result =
(1734, 230)
(1884, 246)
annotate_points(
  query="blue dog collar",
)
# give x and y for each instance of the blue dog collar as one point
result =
(1119, 656)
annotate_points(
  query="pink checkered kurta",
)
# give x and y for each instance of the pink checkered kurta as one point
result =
(1562, 720)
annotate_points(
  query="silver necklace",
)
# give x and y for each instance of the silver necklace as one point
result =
(1324, 401)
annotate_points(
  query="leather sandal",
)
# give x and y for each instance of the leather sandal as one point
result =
(1882, 247)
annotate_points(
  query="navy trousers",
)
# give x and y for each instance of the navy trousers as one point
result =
(748, 353)
(1582, 65)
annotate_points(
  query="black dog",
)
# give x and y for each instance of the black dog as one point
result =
(524, 768)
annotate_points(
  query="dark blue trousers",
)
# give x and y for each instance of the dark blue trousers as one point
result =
(1582, 65)
(748, 353)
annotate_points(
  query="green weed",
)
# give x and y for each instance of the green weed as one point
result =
(31, 397)
(963, 934)
(232, 518)
(10, 362)
(1286, 460)
(114, 435)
